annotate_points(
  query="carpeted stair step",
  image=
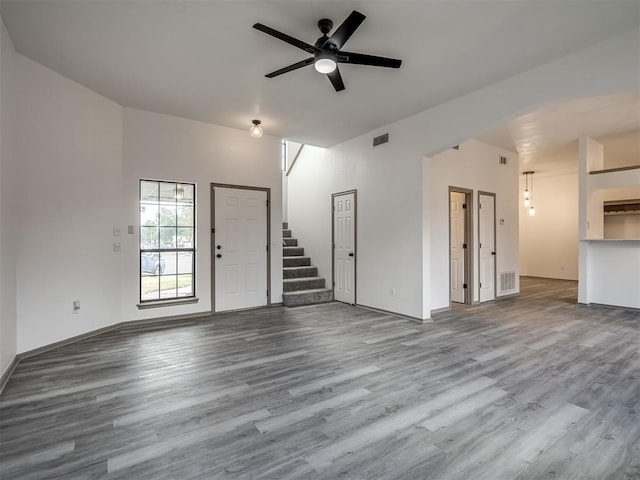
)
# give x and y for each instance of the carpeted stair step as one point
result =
(299, 272)
(286, 233)
(290, 242)
(307, 297)
(299, 284)
(292, 251)
(296, 261)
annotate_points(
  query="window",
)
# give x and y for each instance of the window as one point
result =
(284, 153)
(167, 240)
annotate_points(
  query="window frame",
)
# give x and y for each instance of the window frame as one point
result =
(159, 249)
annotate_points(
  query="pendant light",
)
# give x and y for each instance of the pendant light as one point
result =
(528, 193)
(256, 130)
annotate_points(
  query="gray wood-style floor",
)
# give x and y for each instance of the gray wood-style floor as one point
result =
(529, 387)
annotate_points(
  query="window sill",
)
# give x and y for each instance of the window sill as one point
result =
(167, 303)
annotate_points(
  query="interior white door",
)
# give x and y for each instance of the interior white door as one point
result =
(457, 239)
(487, 246)
(240, 248)
(344, 265)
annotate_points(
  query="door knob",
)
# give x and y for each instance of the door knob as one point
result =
(219, 255)
(493, 253)
(351, 254)
(219, 247)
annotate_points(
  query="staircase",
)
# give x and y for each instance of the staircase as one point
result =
(301, 283)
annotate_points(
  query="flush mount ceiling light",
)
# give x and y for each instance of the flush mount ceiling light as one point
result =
(256, 130)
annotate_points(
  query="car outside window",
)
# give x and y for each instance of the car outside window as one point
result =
(167, 240)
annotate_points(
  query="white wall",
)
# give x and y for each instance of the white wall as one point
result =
(8, 314)
(389, 211)
(67, 161)
(549, 240)
(76, 159)
(73, 159)
(473, 166)
(621, 150)
(293, 148)
(163, 147)
(390, 215)
(394, 234)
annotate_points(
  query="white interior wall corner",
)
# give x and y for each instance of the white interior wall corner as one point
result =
(474, 166)
(8, 220)
(549, 240)
(164, 147)
(68, 160)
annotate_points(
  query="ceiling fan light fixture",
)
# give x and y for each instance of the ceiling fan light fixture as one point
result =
(324, 63)
(327, 50)
(256, 130)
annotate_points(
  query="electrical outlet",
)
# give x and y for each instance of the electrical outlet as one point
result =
(393, 292)
(116, 246)
(76, 306)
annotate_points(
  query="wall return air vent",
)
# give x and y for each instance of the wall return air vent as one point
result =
(380, 139)
(507, 281)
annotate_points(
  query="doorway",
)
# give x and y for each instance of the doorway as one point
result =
(240, 253)
(460, 262)
(487, 245)
(344, 246)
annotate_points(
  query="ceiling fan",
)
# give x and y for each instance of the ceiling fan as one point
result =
(327, 51)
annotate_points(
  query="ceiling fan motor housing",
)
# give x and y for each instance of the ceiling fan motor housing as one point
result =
(325, 25)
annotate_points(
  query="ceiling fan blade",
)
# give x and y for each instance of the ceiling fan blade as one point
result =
(362, 59)
(336, 80)
(290, 68)
(344, 31)
(286, 38)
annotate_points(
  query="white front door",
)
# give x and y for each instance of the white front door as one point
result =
(487, 246)
(240, 248)
(344, 230)
(457, 240)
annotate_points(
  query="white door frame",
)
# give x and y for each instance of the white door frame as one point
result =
(355, 241)
(468, 255)
(495, 248)
(213, 237)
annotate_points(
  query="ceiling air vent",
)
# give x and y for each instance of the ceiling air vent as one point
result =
(380, 139)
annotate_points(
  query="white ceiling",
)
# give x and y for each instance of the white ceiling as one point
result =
(202, 60)
(546, 137)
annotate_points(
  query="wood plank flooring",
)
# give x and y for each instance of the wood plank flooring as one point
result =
(527, 387)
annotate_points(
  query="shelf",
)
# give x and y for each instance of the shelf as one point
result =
(619, 169)
(617, 214)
